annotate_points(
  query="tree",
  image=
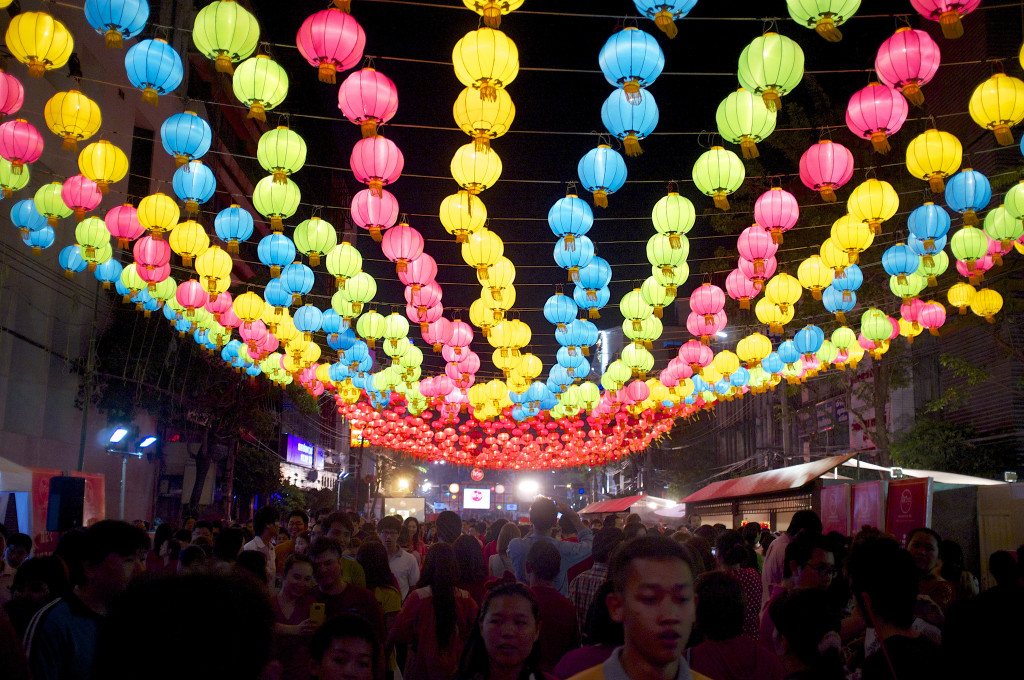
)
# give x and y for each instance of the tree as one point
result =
(939, 444)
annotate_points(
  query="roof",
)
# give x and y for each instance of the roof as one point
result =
(14, 477)
(938, 476)
(771, 481)
(613, 505)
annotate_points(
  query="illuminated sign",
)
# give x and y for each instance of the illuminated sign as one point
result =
(300, 452)
(476, 499)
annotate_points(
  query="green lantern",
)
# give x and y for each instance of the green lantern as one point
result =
(276, 202)
(261, 84)
(933, 266)
(639, 361)
(1003, 226)
(343, 262)
(744, 119)
(911, 286)
(843, 337)
(345, 307)
(370, 327)
(718, 173)
(397, 350)
(413, 358)
(824, 16)
(827, 353)
(163, 290)
(673, 215)
(396, 327)
(656, 295)
(95, 256)
(1014, 200)
(771, 66)
(49, 203)
(359, 289)
(225, 32)
(671, 278)
(969, 244)
(11, 182)
(650, 329)
(282, 152)
(315, 237)
(875, 325)
(91, 235)
(660, 252)
(635, 308)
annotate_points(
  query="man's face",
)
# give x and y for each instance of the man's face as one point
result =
(295, 527)
(657, 609)
(15, 555)
(389, 537)
(925, 551)
(818, 571)
(327, 569)
(110, 577)
(340, 533)
(346, 659)
(201, 531)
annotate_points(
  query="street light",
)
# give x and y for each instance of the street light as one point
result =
(402, 484)
(426, 486)
(529, 488)
(147, 442)
(118, 435)
(118, 444)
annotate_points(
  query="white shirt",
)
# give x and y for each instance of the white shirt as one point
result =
(258, 545)
(406, 570)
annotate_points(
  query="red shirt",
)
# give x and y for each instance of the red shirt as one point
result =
(577, 569)
(415, 626)
(560, 633)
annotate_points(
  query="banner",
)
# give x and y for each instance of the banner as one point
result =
(93, 510)
(835, 509)
(909, 506)
(868, 505)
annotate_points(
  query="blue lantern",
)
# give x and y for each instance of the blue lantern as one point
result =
(186, 136)
(230, 350)
(967, 192)
(572, 255)
(123, 290)
(194, 183)
(308, 319)
(592, 300)
(276, 251)
(233, 224)
(298, 280)
(569, 360)
(253, 370)
(117, 19)
(547, 402)
(808, 340)
(929, 222)
(170, 313)
(331, 322)
(852, 279)
(149, 303)
(570, 216)
(573, 335)
(560, 310)
(664, 12)
(597, 274)
(900, 260)
(723, 386)
(602, 171)
(739, 377)
(276, 295)
(200, 336)
(788, 352)
(631, 59)
(629, 121)
(838, 302)
(26, 216)
(108, 272)
(590, 333)
(154, 67)
(924, 248)
(699, 384)
(337, 372)
(70, 260)
(41, 239)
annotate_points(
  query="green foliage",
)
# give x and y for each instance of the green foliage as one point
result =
(257, 471)
(954, 397)
(939, 444)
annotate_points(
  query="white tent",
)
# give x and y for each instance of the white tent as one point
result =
(16, 484)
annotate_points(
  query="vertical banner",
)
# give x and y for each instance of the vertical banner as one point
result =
(835, 509)
(909, 506)
(868, 504)
(94, 506)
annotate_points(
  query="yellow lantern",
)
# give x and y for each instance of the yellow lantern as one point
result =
(874, 201)
(987, 303)
(462, 214)
(772, 315)
(189, 240)
(726, 363)
(214, 268)
(909, 329)
(248, 307)
(997, 105)
(40, 41)
(500, 336)
(783, 290)
(753, 348)
(530, 366)
(481, 119)
(498, 302)
(72, 116)
(500, 275)
(475, 170)
(852, 235)
(481, 250)
(834, 257)
(961, 295)
(103, 163)
(158, 213)
(814, 275)
(486, 59)
(934, 155)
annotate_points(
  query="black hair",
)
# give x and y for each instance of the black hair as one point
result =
(610, 521)
(389, 523)
(264, 517)
(492, 532)
(301, 514)
(1001, 565)
(373, 558)
(566, 526)
(110, 536)
(343, 627)
(952, 556)
(324, 544)
(228, 544)
(192, 556)
(338, 518)
(925, 530)
(475, 661)
(47, 569)
(804, 520)
(543, 560)
(802, 547)
(734, 551)
(449, 526)
(543, 514)
(173, 548)
(253, 562)
(633, 531)
(598, 626)
(470, 558)
(163, 533)
(804, 618)
(720, 606)
(292, 560)
(700, 549)
(605, 541)
(481, 528)
(203, 524)
(888, 573)
(751, 533)
(654, 547)
(183, 536)
(441, 573)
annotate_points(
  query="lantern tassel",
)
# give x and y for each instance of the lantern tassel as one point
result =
(826, 28)
(79, 214)
(122, 243)
(951, 25)
(632, 90)
(488, 92)
(1003, 135)
(71, 144)
(876, 225)
(327, 73)
(52, 221)
(880, 141)
(670, 290)
(375, 233)
(600, 198)
(376, 187)
(437, 347)
(744, 303)
(574, 274)
(102, 184)
(344, 5)
(912, 91)
(721, 200)
(971, 217)
(192, 206)
(632, 146)
(586, 350)
(17, 167)
(280, 177)
(772, 100)
(462, 237)
(932, 281)
(7, 192)
(276, 223)
(232, 247)
(594, 314)
(400, 266)
(663, 20)
(481, 142)
(36, 68)
(150, 96)
(748, 147)
(368, 127)
(481, 273)
(113, 39)
(827, 194)
(69, 274)
(840, 317)
(816, 293)
(314, 259)
(222, 64)
(275, 271)
(936, 183)
(491, 14)
(776, 235)
(257, 112)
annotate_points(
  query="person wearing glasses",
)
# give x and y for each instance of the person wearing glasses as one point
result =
(810, 564)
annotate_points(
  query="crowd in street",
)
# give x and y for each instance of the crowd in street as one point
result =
(340, 597)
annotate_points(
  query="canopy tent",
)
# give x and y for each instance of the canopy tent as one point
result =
(612, 505)
(770, 481)
(16, 487)
(940, 477)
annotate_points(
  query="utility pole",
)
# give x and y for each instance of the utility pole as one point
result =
(90, 360)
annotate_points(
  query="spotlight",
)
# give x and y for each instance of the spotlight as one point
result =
(147, 442)
(118, 434)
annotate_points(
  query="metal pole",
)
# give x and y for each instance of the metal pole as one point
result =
(89, 361)
(124, 470)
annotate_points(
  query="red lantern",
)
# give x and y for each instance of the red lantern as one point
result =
(332, 41)
(908, 60)
(374, 211)
(123, 224)
(401, 244)
(825, 167)
(20, 143)
(368, 98)
(376, 162)
(875, 113)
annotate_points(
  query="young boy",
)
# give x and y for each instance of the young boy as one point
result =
(653, 599)
(344, 648)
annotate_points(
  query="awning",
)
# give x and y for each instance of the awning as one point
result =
(613, 505)
(14, 477)
(771, 481)
(937, 475)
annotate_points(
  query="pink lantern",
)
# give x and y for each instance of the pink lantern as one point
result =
(749, 270)
(151, 253)
(777, 211)
(427, 296)
(442, 386)
(707, 300)
(20, 143)
(218, 305)
(696, 355)
(437, 333)
(153, 276)
(419, 272)
(740, 288)
(911, 311)
(332, 41)
(12, 94)
(424, 316)
(376, 161)
(875, 113)
(908, 60)
(825, 167)
(947, 12)
(123, 224)
(638, 390)
(191, 295)
(976, 274)
(80, 194)
(368, 98)
(401, 244)
(374, 211)
(895, 327)
(932, 316)
(253, 334)
(704, 327)
(470, 364)
(756, 245)
(996, 250)
(270, 344)
(228, 318)
(462, 334)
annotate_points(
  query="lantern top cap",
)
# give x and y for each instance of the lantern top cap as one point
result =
(824, 141)
(603, 146)
(673, 193)
(903, 28)
(160, 40)
(234, 205)
(191, 113)
(631, 28)
(571, 195)
(717, 148)
(776, 189)
(770, 33)
(929, 203)
(20, 120)
(282, 127)
(263, 56)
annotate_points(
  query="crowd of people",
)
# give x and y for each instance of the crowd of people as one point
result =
(341, 597)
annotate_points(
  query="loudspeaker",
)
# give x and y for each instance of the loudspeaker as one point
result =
(66, 505)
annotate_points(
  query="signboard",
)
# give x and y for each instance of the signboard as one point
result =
(299, 451)
(318, 459)
(476, 499)
(868, 503)
(93, 508)
(406, 507)
(909, 506)
(835, 509)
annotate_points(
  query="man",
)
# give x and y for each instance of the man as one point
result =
(810, 564)
(583, 588)
(264, 523)
(611, 521)
(339, 527)
(19, 546)
(403, 565)
(478, 530)
(567, 532)
(339, 596)
(449, 527)
(202, 528)
(775, 557)
(596, 525)
(344, 648)
(561, 632)
(61, 637)
(298, 523)
(543, 516)
(653, 599)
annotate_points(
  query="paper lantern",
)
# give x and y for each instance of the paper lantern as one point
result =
(376, 212)
(475, 170)
(967, 192)
(39, 41)
(281, 152)
(906, 61)
(783, 291)
(298, 280)
(189, 240)
(11, 181)
(998, 104)
(487, 60)
(116, 20)
(947, 12)
(718, 173)
(745, 120)
(873, 201)
(101, 161)
(72, 116)
(158, 213)
(876, 112)
(123, 224)
(934, 155)
(20, 143)
(740, 288)
(899, 261)
(261, 84)
(233, 224)
(777, 211)
(568, 218)
(343, 262)
(631, 59)
(186, 136)
(629, 121)
(664, 13)
(755, 245)
(377, 162)
(481, 250)
(225, 32)
(194, 183)
(852, 235)
(81, 195)
(825, 167)
(154, 67)
(277, 202)
(12, 94)
(771, 66)
(969, 244)
(315, 238)
(71, 261)
(331, 41)
(673, 215)
(401, 244)
(368, 98)
(814, 276)
(986, 303)
(214, 266)
(960, 296)
(1003, 226)
(481, 119)
(602, 171)
(92, 235)
(50, 204)
(824, 16)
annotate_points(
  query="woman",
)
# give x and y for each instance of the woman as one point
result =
(499, 562)
(923, 545)
(416, 545)
(156, 563)
(737, 559)
(951, 568)
(808, 629)
(504, 644)
(373, 558)
(38, 581)
(472, 568)
(491, 537)
(436, 620)
(292, 623)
